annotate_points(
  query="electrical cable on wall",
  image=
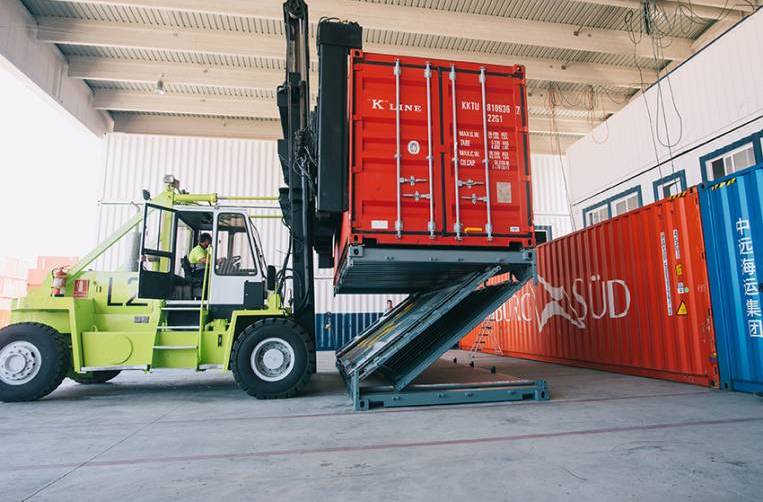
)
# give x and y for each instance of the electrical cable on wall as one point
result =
(553, 97)
(656, 22)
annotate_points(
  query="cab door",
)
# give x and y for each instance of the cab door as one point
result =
(236, 278)
(156, 273)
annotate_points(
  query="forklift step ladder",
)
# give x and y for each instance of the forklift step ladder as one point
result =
(401, 345)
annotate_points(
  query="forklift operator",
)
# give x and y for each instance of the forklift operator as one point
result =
(199, 255)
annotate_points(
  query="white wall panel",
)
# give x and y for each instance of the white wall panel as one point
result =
(718, 99)
(550, 203)
(225, 166)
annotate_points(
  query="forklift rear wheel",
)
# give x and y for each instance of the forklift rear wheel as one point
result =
(94, 377)
(272, 359)
(34, 359)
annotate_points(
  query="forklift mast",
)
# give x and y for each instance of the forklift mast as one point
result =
(314, 153)
(299, 173)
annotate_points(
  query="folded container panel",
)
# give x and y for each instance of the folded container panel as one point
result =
(439, 154)
(628, 295)
(732, 214)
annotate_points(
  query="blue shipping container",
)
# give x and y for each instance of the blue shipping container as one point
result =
(732, 222)
(334, 330)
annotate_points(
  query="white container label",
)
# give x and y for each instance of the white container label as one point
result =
(503, 192)
(380, 224)
(666, 272)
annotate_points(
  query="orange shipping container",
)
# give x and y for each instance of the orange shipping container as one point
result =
(629, 295)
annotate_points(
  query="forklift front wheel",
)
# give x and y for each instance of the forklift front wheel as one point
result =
(34, 359)
(272, 358)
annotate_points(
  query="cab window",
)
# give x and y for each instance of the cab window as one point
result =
(185, 242)
(233, 252)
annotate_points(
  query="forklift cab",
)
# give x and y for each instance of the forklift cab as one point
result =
(236, 274)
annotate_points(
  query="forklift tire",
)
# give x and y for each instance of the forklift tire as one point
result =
(93, 377)
(273, 359)
(34, 359)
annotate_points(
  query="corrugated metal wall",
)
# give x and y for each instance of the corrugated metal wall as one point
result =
(550, 202)
(246, 167)
(732, 219)
(707, 103)
(629, 295)
(225, 166)
(332, 330)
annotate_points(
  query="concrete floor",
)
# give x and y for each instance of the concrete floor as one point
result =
(169, 436)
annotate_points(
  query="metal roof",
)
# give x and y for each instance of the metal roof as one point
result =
(684, 23)
(592, 15)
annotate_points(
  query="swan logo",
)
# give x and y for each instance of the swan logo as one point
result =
(560, 304)
(585, 300)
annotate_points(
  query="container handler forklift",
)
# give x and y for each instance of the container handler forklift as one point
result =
(90, 325)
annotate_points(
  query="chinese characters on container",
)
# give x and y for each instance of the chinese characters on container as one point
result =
(750, 283)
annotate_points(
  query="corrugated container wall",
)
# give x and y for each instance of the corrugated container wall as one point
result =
(732, 213)
(629, 295)
(439, 154)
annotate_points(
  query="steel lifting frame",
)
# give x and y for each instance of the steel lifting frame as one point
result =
(412, 337)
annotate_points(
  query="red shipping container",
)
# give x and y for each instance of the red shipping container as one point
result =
(629, 295)
(409, 185)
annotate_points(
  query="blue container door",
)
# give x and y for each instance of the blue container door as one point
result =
(732, 221)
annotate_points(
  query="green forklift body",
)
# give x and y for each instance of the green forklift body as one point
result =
(113, 325)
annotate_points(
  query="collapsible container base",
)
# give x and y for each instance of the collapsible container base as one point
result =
(407, 341)
(399, 270)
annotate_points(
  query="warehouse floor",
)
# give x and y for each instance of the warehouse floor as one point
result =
(166, 436)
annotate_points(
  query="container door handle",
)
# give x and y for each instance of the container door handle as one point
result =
(457, 224)
(486, 161)
(418, 196)
(430, 158)
(398, 221)
(473, 198)
(470, 183)
(412, 181)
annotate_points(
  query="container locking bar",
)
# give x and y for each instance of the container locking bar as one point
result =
(430, 157)
(474, 198)
(412, 181)
(486, 161)
(470, 183)
(398, 221)
(418, 196)
(457, 224)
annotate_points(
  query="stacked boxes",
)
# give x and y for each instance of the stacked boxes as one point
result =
(13, 284)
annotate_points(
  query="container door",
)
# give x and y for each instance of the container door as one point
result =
(732, 219)
(396, 181)
(488, 177)
(156, 276)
